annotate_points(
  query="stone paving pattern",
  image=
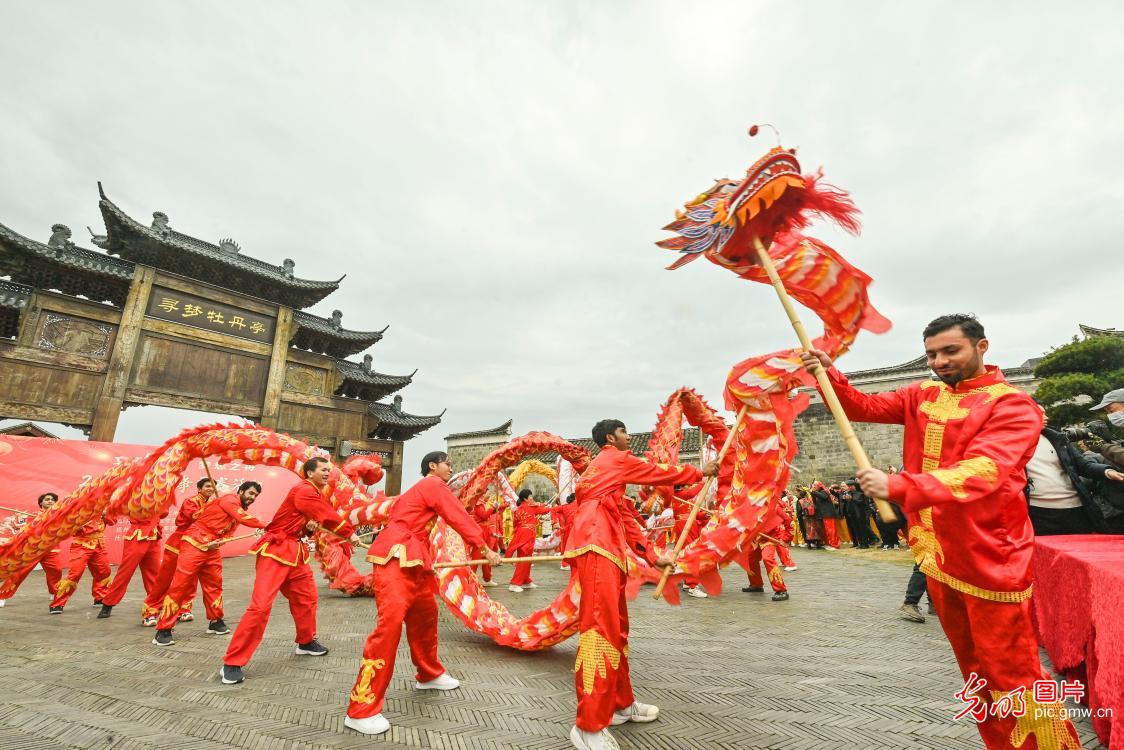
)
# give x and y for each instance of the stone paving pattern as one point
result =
(831, 668)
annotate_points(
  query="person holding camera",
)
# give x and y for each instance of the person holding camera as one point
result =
(1059, 501)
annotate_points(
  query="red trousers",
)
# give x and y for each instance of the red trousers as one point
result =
(403, 595)
(785, 556)
(51, 569)
(295, 583)
(489, 543)
(601, 676)
(143, 554)
(522, 545)
(81, 558)
(766, 553)
(996, 641)
(154, 600)
(831, 532)
(194, 565)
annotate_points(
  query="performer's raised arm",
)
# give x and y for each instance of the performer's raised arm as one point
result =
(885, 408)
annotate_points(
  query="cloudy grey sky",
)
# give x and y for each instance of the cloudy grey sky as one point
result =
(491, 175)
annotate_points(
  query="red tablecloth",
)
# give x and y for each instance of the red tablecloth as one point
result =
(1079, 614)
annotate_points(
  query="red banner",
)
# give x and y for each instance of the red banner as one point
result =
(31, 466)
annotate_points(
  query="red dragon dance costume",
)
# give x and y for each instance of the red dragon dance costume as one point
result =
(87, 549)
(604, 527)
(141, 550)
(965, 449)
(52, 567)
(189, 511)
(405, 587)
(525, 520)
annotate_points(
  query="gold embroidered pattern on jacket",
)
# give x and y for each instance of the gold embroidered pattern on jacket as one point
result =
(954, 477)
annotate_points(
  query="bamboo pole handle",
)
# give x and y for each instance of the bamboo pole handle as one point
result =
(681, 542)
(16, 510)
(484, 561)
(221, 542)
(885, 510)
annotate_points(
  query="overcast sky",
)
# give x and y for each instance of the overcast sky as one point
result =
(492, 176)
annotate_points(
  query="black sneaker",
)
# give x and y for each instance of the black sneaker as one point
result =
(780, 596)
(753, 589)
(312, 648)
(231, 675)
(97, 602)
(163, 638)
(55, 610)
(217, 627)
(106, 611)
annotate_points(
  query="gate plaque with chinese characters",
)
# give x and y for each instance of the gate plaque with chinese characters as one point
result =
(190, 310)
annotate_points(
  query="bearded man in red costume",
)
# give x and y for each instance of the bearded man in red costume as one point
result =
(405, 586)
(968, 437)
(604, 528)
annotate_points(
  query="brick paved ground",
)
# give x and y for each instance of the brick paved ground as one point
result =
(832, 667)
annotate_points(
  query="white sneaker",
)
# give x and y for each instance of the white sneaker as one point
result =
(371, 725)
(602, 740)
(531, 585)
(696, 592)
(515, 589)
(790, 567)
(488, 584)
(443, 681)
(2, 602)
(639, 712)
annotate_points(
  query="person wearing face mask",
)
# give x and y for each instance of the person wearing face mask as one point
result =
(1058, 500)
(1113, 404)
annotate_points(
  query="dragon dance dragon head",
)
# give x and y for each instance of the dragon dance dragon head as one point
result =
(774, 199)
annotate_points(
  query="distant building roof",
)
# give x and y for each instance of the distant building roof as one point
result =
(223, 264)
(27, 429)
(1090, 331)
(502, 431)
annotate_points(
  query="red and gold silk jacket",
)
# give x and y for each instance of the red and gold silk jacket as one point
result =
(966, 448)
(304, 503)
(217, 520)
(190, 510)
(563, 517)
(681, 504)
(406, 534)
(526, 516)
(605, 520)
(484, 515)
(91, 535)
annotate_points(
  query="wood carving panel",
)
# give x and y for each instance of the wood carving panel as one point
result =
(63, 333)
(41, 384)
(304, 379)
(192, 370)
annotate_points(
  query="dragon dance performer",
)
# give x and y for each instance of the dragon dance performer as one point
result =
(200, 560)
(87, 549)
(485, 516)
(189, 511)
(764, 548)
(141, 550)
(525, 519)
(282, 567)
(562, 516)
(604, 527)
(968, 437)
(50, 561)
(683, 499)
(405, 586)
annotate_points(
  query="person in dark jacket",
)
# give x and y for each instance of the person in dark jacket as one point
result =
(1059, 502)
(858, 515)
(827, 512)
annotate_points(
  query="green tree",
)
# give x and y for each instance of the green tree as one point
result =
(1091, 367)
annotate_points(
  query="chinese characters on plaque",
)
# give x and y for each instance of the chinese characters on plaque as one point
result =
(180, 307)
